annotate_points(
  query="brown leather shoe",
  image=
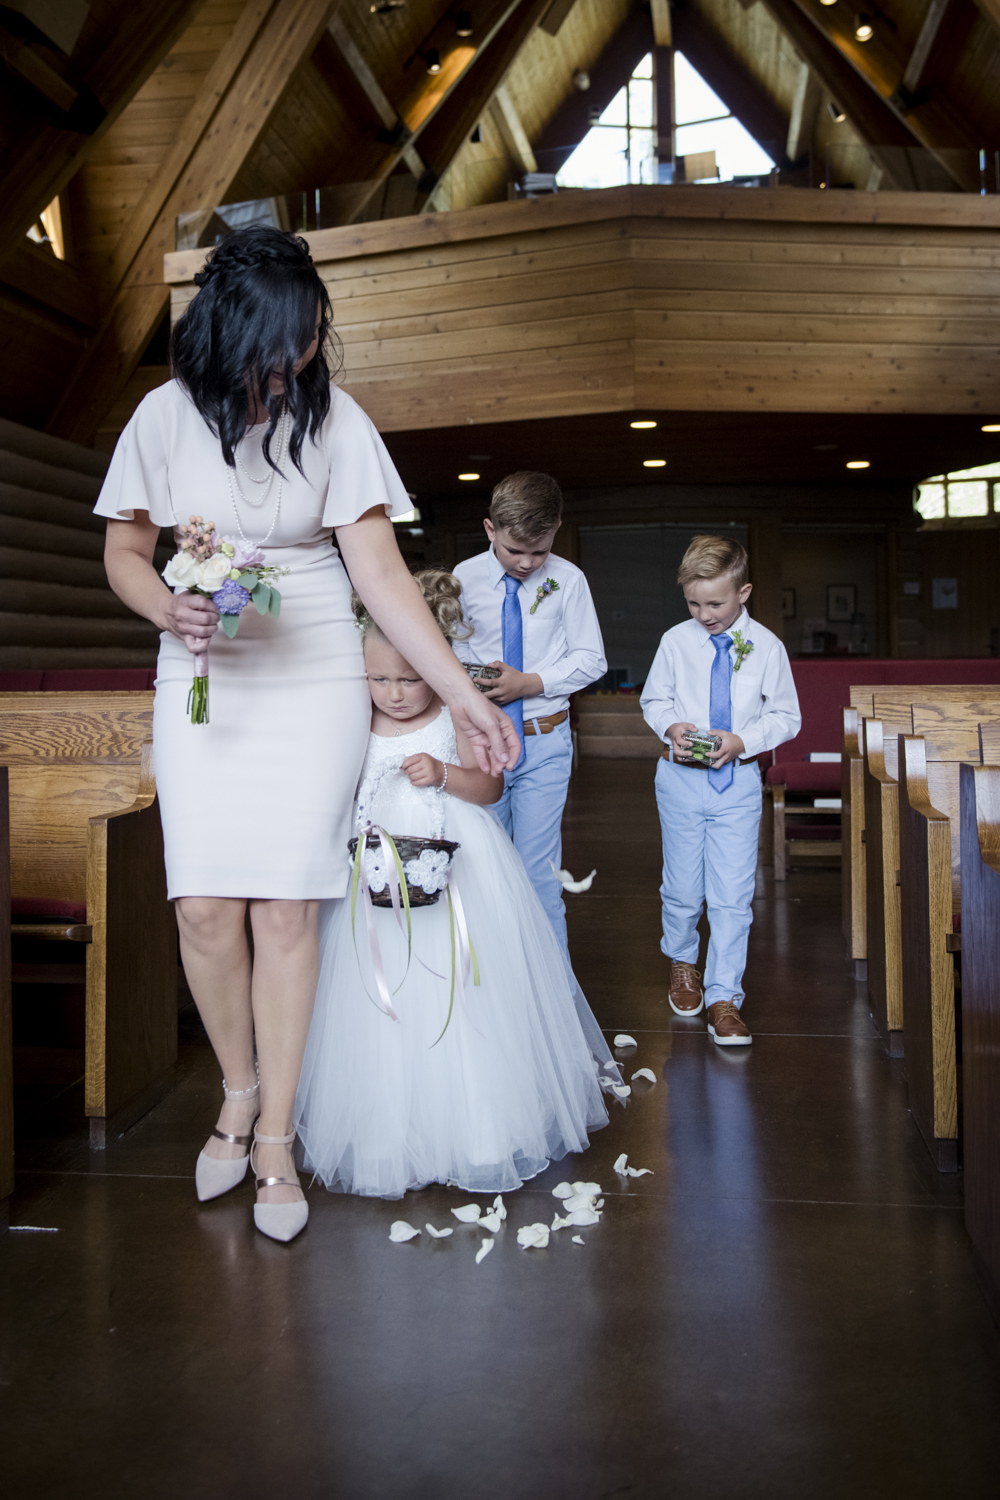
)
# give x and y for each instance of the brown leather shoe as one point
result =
(686, 995)
(725, 1027)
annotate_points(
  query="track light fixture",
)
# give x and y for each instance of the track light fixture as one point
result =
(864, 30)
(432, 58)
(836, 113)
(463, 22)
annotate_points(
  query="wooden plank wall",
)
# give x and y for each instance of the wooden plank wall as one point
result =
(56, 609)
(667, 298)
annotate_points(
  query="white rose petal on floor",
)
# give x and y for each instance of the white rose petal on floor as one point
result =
(490, 1222)
(624, 1170)
(622, 1090)
(498, 1206)
(438, 1234)
(400, 1232)
(468, 1214)
(644, 1073)
(624, 1040)
(533, 1237)
(484, 1250)
(578, 1239)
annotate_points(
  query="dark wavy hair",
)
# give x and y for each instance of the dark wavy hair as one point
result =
(255, 312)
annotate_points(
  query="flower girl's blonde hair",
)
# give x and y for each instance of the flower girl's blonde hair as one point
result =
(443, 594)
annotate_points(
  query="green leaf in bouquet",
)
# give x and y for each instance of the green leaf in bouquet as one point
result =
(230, 624)
(261, 597)
(275, 603)
(248, 581)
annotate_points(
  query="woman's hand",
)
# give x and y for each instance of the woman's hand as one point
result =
(490, 733)
(423, 770)
(193, 619)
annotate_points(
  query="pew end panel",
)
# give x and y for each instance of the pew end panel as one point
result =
(928, 966)
(980, 838)
(131, 966)
(852, 837)
(6, 1016)
(885, 986)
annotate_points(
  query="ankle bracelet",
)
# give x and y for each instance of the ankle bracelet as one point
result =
(241, 1093)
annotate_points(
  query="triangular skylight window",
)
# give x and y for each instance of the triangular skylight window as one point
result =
(620, 146)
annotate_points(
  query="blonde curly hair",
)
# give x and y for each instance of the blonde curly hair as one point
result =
(443, 594)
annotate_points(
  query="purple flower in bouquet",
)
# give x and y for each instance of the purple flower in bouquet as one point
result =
(245, 554)
(231, 599)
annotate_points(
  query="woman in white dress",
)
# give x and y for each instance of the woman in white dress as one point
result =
(481, 1088)
(256, 804)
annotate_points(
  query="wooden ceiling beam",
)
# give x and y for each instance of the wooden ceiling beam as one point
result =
(375, 94)
(924, 45)
(613, 69)
(512, 132)
(446, 130)
(229, 134)
(50, 146)
(805, 106)
(991, 10)
(725, 72)
(938, 123)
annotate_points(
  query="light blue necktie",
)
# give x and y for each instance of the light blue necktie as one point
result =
(512, 645)
(720, 703)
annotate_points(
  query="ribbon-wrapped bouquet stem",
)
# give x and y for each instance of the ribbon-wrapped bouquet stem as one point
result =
(230, 572)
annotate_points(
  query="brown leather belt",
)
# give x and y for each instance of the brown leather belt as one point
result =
(741, 760)
(545, 725)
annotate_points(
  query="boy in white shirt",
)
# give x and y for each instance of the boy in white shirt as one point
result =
(535, 621)
(718, 671)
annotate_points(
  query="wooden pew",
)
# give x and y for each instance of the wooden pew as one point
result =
(885, 995)
(946, 735)
(980, 850)
(85, 827)
(853, 838)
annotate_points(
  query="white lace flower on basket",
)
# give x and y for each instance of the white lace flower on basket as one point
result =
(429, 871)
(375, 870)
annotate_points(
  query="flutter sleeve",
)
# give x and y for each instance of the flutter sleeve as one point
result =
(137, 477)
(362, 474)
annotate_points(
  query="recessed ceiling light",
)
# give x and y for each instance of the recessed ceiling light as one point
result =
(654, 463)
(642, 424)
(991, 427)
(863, 28)
(432, 57)
(858, 463)
(468, 476)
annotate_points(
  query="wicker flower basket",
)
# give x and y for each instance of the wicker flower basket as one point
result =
(412, 849)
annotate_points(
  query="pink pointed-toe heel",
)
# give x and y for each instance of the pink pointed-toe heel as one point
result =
(215, 1175)
(280, 1221)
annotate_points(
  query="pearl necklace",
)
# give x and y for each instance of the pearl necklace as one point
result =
(282, 433)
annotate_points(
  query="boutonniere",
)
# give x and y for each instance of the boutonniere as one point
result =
(743, 649)
(544, 590)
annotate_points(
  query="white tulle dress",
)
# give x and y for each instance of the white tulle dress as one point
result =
(515, 1081)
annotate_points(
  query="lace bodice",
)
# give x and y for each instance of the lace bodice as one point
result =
(385, 795)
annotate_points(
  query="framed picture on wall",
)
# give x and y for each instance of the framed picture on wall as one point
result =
(788, 604)
(841, 601)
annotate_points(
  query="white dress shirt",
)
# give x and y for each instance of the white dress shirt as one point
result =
(562, 639)
(765, 705)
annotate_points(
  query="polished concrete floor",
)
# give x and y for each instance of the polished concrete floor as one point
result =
(787, 1307)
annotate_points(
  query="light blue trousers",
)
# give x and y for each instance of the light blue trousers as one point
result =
(710, 860)
(531, 810)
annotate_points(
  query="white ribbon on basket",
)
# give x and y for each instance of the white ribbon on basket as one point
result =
(467, 964)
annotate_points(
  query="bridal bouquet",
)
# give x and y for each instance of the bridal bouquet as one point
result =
(232, 574)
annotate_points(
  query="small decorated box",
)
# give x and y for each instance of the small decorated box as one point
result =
(480, 674)
(702, 743)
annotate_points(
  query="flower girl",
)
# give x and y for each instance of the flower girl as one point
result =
(483, 1092)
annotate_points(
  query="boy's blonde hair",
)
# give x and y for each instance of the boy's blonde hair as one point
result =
(443, 594)
(526, 504)
(714, 557)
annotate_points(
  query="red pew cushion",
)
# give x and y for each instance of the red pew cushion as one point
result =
(48, 906)
(820, 777)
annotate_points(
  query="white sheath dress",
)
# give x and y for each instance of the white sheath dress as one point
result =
(258, 801)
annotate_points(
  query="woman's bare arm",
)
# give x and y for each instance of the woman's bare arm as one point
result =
(381, 577)
(128, 560)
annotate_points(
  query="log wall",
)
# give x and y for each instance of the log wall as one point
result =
(56, 609)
